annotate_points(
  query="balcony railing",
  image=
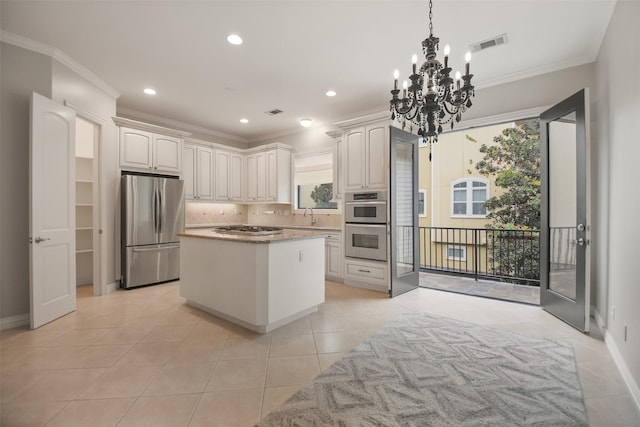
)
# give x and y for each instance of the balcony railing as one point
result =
(495, 254)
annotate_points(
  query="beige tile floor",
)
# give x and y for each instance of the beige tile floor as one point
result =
(145, 358)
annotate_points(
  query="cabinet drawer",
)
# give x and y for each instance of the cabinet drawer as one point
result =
(333, 237)
(366, 271)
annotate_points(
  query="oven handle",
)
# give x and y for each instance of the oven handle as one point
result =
(376, 225)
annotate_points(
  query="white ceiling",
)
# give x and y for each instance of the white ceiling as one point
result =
(294, 51)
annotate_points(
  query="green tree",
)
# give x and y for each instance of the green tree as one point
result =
(322, 195)
(514, 161)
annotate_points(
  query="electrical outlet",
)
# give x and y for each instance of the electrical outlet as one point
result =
(613, 313)
(300, 256)
(625, 333)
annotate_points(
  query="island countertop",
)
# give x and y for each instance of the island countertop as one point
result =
(286, 235)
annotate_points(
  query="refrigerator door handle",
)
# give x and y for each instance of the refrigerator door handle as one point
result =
(155, 211)
(160, 210)
(156, 248)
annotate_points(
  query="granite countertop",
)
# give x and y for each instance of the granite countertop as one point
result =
(191, 227)
(286, 235)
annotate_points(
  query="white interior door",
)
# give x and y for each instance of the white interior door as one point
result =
(52, 211)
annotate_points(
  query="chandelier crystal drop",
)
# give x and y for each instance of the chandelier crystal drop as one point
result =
(432, 98)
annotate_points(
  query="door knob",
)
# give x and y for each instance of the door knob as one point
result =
(580, 241)
(40, 239)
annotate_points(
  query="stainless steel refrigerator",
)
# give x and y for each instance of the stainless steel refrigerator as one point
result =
(152, 211)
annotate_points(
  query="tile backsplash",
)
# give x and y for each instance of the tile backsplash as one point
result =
(204, 214)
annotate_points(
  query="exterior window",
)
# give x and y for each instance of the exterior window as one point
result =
(457, 253)
(468, 196)
(313, 181)
(422, 203)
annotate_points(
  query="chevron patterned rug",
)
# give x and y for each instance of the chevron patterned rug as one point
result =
(424, 370)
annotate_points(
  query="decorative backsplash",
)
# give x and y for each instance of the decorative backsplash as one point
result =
(204, 214)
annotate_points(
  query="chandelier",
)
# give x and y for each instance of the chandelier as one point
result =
(433, 98)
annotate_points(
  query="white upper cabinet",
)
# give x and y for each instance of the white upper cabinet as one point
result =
(269, 176)
(197, 172)
(229, 176)
(279, 176)
(149, 151)
(365, 156)
(256, 176)
(337, 171)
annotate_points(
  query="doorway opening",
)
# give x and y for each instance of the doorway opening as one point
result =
(87, 209)
(480, 212)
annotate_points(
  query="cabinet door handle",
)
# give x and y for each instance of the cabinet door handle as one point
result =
(40, 239)
(364, 271)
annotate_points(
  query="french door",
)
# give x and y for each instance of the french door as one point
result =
(404, 212)
(565, 226)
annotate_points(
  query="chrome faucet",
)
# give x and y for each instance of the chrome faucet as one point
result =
(313, 219)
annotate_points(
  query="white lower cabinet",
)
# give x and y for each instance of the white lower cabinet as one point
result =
(366, 274)
(333, 258)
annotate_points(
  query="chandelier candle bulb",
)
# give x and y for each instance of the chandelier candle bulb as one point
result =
(447, 51)
(414, 61)
(396, 74)
(467, 58)
(404, 89)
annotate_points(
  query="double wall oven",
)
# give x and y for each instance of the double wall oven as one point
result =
(366, 225)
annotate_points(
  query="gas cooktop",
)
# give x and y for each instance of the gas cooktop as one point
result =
(248, 230)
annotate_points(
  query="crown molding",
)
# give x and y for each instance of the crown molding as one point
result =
(536, 72)
(123, 121)
(163, 121)
(60, 56)
(363, 120)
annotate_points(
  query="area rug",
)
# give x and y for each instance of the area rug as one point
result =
(424, 370)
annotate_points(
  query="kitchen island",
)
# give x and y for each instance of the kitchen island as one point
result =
(260, 282)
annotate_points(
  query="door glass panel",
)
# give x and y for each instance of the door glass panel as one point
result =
(403, 207)
(562, 205)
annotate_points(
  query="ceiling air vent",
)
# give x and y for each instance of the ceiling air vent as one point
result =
(495, 41)
(273, 112)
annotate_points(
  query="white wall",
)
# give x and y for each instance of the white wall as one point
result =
(22, 72)
(616, 159)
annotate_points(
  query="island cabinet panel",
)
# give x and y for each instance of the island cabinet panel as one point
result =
(276, 283)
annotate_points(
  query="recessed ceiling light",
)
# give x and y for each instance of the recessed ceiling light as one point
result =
(306, 122)
(234, 39)
(150, 91)
(331, 93)
(244, 120)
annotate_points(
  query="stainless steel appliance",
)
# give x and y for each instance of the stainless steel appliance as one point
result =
(366, 225)
(152, 213)
(367, 207)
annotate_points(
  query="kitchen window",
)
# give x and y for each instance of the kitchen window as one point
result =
(313, 182)
(468, 196)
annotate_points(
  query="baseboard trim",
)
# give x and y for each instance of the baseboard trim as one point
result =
(112, 287)
(623, 368)
(599, 319)
(14, 321)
